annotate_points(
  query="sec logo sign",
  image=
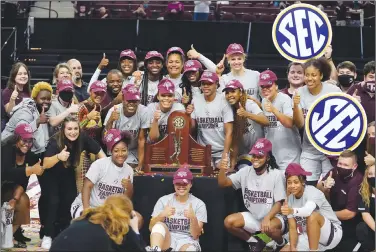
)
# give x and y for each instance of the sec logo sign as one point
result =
(301, 32)
(336, 122)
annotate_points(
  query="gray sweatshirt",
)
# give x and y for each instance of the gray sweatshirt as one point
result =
(27, 112)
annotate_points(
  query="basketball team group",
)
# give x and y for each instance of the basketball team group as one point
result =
(86, 142)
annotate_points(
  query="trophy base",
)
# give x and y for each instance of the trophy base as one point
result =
(171, 169)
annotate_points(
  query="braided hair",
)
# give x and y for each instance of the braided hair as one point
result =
(187, 85)
(145, 81)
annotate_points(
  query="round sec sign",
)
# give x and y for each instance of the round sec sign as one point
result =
(301, 32)
(336, 122)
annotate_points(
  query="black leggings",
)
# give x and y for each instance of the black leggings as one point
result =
(366, 237)
(58, 191)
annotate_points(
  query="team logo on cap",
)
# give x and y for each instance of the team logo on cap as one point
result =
(301, 32)
(109, 137)
(336, 122)
(259, 145)
(265, 76)
(132, 90)
(189, 63)
(28, 129)
(235, 47)
(182, 174)
(127, 52)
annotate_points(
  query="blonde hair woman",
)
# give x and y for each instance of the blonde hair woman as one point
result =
(112, 226)
(62, 71)
(365, 230)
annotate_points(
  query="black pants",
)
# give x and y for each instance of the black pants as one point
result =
(366, 237)
(59, 190)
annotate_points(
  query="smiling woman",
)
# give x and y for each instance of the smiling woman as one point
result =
(60, 160)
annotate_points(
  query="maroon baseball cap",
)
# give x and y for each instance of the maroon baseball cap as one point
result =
(233, 84)
(131, 93)
(65, 85)
(267, 78)
(234, 48)
(209, 76)
(112, 137)
(175, 49)
(98, 86)
(154, 54)
(128, 53)
(166, 86)
(192, 66)
(295, 169)
(261, 147)
(24, 130)
(183, 176)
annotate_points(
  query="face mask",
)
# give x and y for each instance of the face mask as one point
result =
(371, 140)
(371, 181)
(370, 87)
(66, 96)
(344, 173)
(346, 80)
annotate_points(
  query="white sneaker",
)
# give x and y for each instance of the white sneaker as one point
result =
(46, 242)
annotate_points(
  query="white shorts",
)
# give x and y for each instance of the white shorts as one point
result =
(330, 236)
(318, 166)
(77, 208)
(177, 242)
(251, 225)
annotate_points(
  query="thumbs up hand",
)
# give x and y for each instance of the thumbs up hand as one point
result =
(221, 65)
(14, 95)
(329, 182)
(126, 183)
(356, 96)
(103, 63)
(169, 210)
(268, 106)
(296, 99)
(43, 118)
(94, 114)
(185, 98)
(189, 109)
(115, 115)
(369, 159)
(37, 168)
(241, 111)
(157, 113)
(189, 213)
(193, 54)
(63, 155)
(285, 210)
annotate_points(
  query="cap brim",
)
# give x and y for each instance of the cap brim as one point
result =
(191, 70)
(154, 57)
(98, 90)
(26, 136)
(208, 80)
(235, 52)
(227, 88)
(127, 56)
(66, 89)
(266, 83)
(181, 181)
(257, 152)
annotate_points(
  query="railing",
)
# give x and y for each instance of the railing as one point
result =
(13, 55)
(49, 10)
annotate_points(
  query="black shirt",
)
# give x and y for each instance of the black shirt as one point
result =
(10, 171)
(83, 235)
(81, 92)
(364, 209)
(88, 144)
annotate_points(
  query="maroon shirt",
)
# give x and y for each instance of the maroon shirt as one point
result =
(286, 91)
(345, 193)
(7, 93)
(367, 101)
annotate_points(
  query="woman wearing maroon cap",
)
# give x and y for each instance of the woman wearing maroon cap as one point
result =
(183, 209)
(127, 65)
(191, 81)
(18, 164)
(313, 225)
(61, 159)
(152, 76)
(263, 191)
(248, 120)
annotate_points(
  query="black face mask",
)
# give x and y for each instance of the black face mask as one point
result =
(371, 182)
(344, 173)
(346, 80)
(370, 87)
(66, 96)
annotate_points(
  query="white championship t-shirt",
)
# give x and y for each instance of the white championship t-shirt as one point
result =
(260, 192)
(249, 80)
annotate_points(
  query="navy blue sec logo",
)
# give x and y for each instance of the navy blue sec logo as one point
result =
(301, 32)
(336, 122)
